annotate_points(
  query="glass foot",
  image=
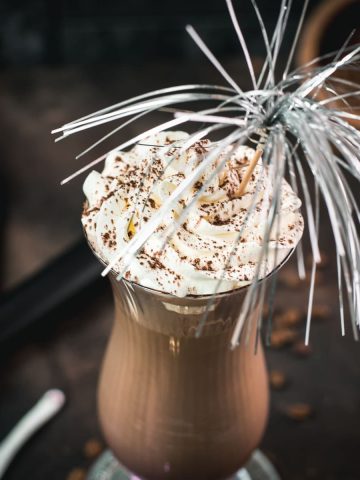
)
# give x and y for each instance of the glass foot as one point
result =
(108, 468)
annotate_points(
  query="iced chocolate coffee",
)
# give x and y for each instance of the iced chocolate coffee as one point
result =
(172, 405)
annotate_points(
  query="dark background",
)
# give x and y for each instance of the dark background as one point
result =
(113, 31)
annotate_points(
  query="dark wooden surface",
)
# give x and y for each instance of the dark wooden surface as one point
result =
(43, 219)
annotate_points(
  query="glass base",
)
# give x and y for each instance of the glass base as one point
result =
(108, 468)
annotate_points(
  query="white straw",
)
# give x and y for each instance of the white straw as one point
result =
(46, 408)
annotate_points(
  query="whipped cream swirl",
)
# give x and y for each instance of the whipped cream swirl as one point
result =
(205, 253)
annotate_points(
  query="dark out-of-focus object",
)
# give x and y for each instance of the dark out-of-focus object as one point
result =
(326, 30)
(3, 212)
(72, 273)
(36, 32)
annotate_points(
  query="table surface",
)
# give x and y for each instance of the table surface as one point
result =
(43, 219)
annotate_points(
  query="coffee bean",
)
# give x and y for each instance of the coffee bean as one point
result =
(277, 380)
(299, 411)
(301, 349)
(92, 448)
(320, 312)
(289, 318)
(283, 337)
(76, 474)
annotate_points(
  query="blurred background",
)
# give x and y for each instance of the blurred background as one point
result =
(61, 60)
(127, 31)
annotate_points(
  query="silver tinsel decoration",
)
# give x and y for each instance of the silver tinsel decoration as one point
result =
(292, 129)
